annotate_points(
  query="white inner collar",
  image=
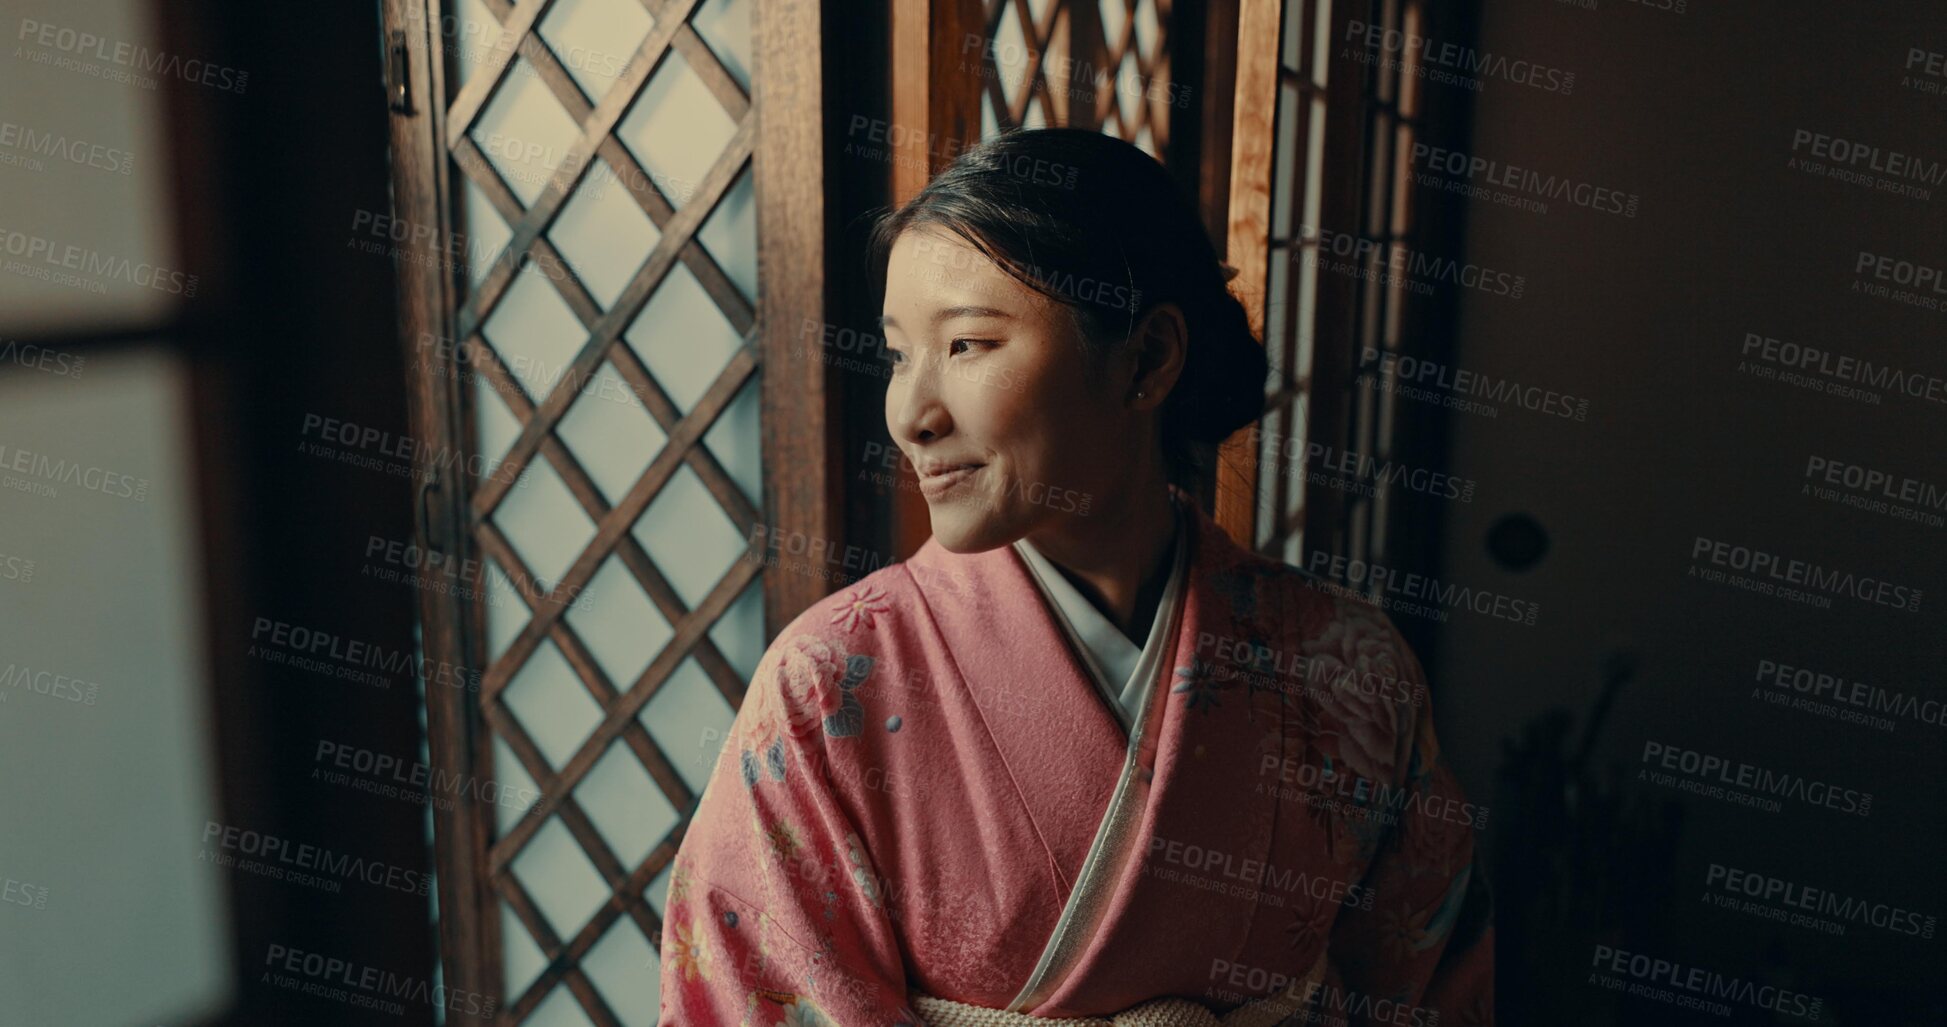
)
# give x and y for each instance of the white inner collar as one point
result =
(1112, 659)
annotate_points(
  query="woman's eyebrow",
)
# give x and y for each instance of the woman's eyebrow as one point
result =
(950, 313)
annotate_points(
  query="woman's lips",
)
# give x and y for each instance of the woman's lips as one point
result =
(943, 482)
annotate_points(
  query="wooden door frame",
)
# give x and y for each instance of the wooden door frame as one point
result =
(1252, 163)
(469, 941)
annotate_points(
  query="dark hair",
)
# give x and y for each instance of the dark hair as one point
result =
(1098, 225)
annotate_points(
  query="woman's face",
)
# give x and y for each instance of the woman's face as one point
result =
(1013, 425)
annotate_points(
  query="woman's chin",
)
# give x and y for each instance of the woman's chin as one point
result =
(962, 530)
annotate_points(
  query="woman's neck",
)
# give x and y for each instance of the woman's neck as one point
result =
(1119, 561)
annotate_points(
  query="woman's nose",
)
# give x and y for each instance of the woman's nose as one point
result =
(920, 415)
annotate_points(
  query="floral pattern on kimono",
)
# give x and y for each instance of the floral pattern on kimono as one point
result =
(1200, 684)
(815, 680)
(792, 932)
(861, 607)
(839, 862)
(1420, 866)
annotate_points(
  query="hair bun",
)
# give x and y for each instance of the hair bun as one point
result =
(1222, 387)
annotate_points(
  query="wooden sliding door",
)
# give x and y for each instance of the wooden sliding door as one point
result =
(609, 227)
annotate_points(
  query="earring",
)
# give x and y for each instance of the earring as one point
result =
(1140, 393)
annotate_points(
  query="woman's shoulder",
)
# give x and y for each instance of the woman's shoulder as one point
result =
(854, 614)
(1291, 589)
(1319, 621)
(805, 682)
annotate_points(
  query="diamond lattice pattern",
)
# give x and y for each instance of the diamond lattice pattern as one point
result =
(603, 151)
(1101, 64)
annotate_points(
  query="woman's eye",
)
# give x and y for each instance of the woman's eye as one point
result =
(968, 344)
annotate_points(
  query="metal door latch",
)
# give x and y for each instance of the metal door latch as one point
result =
(398, 73)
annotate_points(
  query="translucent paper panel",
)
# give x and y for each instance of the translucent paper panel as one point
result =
(521, 960)
(624, 969)
(1277, 315)
(1321, 42)
(725, 25)
(610, 433)
(1314, 173)
(1114, 18)
(1034, 117)
(1011, 55)
(564, 885)
(688, 719)
(535, 333)
(594, 39)
(559, 1009)
(516, 792)
(1306, 314)
(603, 234)
(494, 425)
(472, 34)
(739, 633)
(524, 133)
(676, 129)
(618, 623)
(1270, 468)
(1129, 89)
(1292, 35)
(683, 338)
(552, 704)
(689, 536)
(485, 233)
(737, 443)
(1285, 176)
(990, 125)
(730, 234)
(546, 525)
(1148, 31)
(506, 612)
(657, 893)
(628, 809)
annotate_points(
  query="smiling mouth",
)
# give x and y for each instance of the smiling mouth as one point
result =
(945, 480)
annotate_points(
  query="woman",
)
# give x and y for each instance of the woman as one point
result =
(1082, 755)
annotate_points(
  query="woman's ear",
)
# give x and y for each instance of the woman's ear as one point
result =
(1161, 343)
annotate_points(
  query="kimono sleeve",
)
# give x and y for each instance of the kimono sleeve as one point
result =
(775, 913)
(1422, 951)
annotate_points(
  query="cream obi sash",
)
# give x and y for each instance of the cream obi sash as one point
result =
(1162, 1012)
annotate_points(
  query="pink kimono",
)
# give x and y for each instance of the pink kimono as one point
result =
(925, 793)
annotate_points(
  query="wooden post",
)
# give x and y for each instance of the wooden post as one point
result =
(1252, 161)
